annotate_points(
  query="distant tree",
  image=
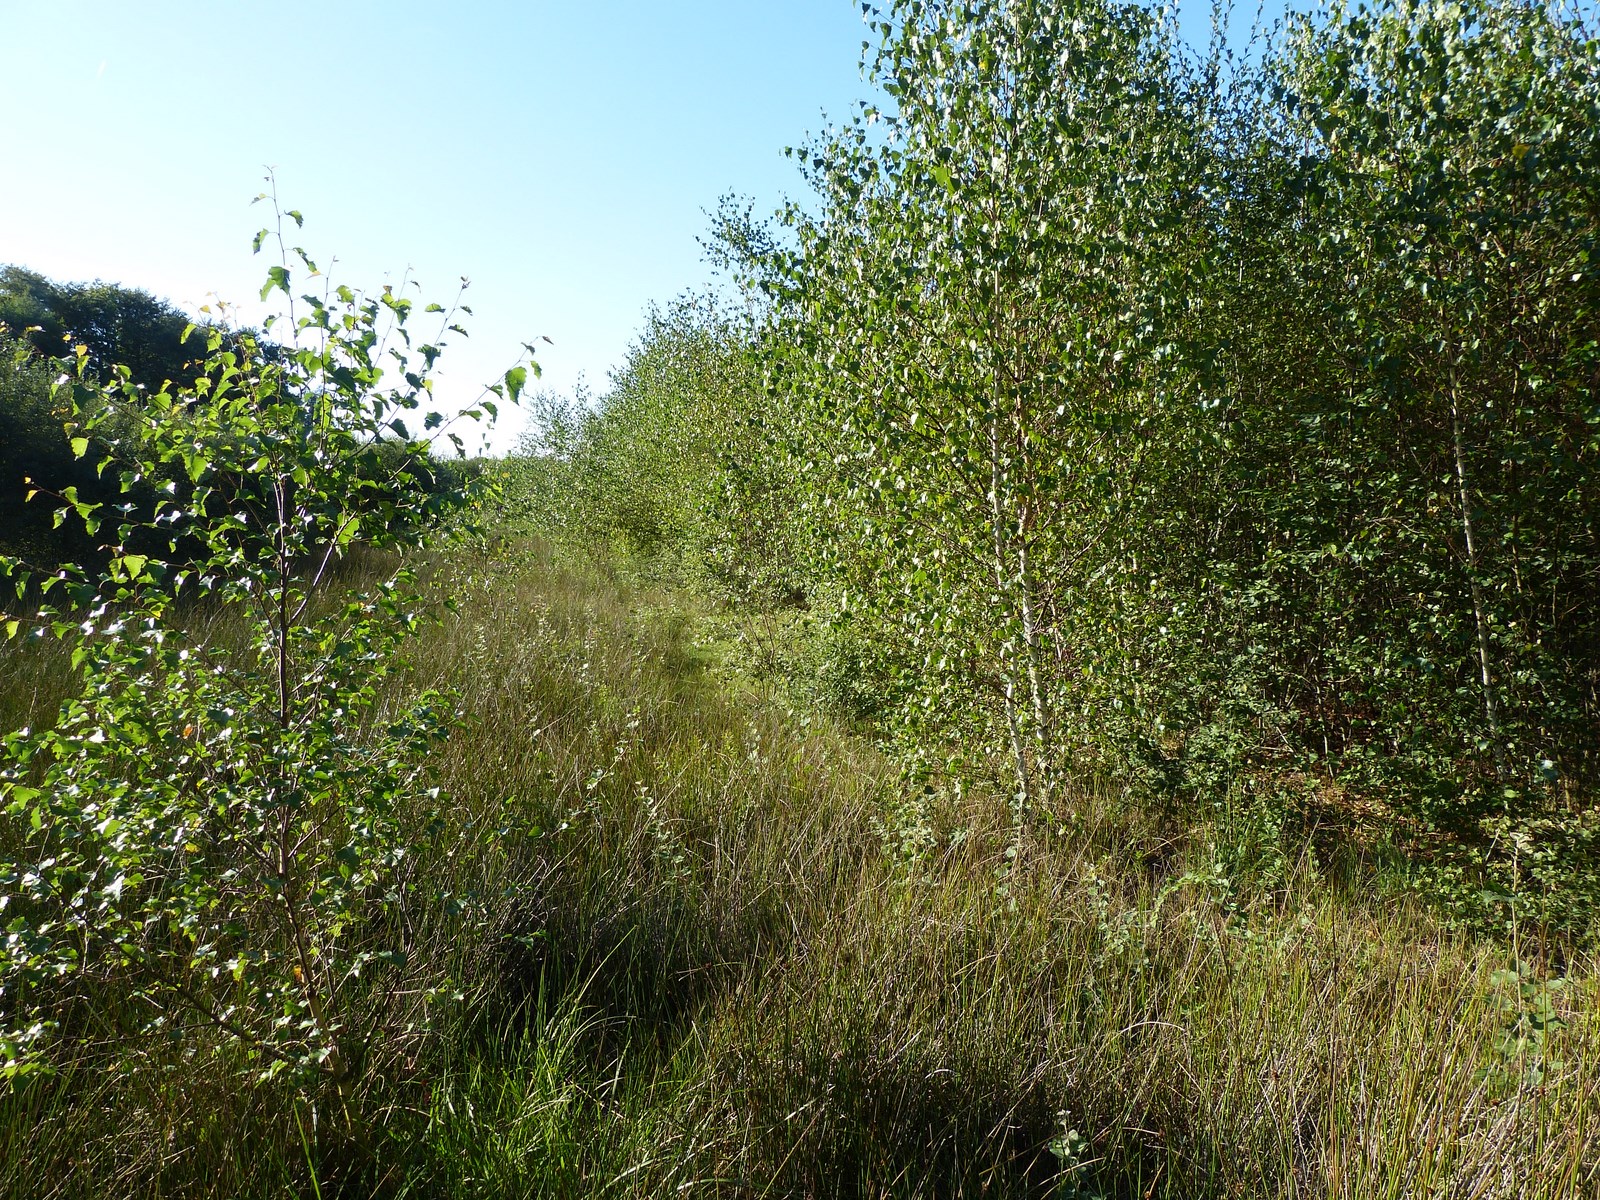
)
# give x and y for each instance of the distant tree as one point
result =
(34, 447)
(42, 322)
(118, 324)
(669, 466)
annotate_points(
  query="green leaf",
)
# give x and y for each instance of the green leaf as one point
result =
(516, 380)
(277, 277)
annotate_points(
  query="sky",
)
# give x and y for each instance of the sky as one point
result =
(561, 154)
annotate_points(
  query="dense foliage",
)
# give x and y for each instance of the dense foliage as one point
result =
(115, 325)
(214, 842)
(1221, 426)
(675, 468)
(32, 446)
(112, 325)
(48, 330)
(1183, 467)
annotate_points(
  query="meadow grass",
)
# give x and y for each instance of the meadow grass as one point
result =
(706, 947)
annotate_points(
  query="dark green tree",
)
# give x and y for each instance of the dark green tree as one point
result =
(122, 325)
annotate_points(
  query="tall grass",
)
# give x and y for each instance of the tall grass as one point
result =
(707, 949)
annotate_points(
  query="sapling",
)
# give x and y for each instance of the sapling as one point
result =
(215, 839)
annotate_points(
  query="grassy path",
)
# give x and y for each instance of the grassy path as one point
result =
(769, 972)
(720, 951)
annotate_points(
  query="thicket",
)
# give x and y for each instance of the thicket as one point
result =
(42, 323)
(1058, 421)
(671, 470)
(116, 325)
(1221, 425)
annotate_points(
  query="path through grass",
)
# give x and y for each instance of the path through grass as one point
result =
(727, 953)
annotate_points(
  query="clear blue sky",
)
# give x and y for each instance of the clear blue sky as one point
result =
(560, 153)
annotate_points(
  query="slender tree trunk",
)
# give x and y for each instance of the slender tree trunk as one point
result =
(1008, 677)
(307, 966)
(1491, 708)
(1031, 641)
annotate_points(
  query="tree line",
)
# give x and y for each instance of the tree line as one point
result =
(1217, 424)
(42, 322)
(110, 333)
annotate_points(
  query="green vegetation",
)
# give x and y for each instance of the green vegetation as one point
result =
(1218, 429)
(219, 830)
(722, 950)
(1081, 684)
(43, 324)
(115, 325)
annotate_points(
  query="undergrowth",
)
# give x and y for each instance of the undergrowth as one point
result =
(708, 948)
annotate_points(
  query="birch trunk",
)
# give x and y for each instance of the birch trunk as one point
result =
(1491, 708)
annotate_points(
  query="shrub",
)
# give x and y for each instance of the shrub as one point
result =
(217, 833)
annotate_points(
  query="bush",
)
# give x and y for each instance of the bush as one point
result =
(218, 833)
